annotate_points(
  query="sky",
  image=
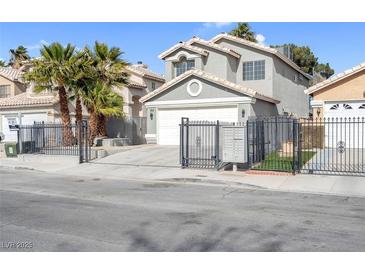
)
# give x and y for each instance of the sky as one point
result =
(340, 44)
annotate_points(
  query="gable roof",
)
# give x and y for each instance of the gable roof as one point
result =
(25, 100)
(11, 74)
(144, 72)
(257, 46)
(211, 78)
(214, 46)
(335, 78)
(183, 45)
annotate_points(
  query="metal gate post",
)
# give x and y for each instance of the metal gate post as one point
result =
(182, 142)
(294, 167)
(80, 141)
(248, 145)
(86, 140)
(217, 145)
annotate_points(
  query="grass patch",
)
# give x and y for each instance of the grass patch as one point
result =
(274, 161)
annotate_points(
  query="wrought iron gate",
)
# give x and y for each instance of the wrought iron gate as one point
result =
(55, 139)
(273, 144)
(199, 144)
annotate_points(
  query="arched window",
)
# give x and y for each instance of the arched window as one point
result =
(183, 65)
(347, 106)
(336, 106)
(362, 106)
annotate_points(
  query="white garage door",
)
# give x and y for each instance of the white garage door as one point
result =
(168, 120)
(341, 127)
(27, 119)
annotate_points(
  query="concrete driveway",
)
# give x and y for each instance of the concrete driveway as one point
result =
(330, 159)
(145, 155)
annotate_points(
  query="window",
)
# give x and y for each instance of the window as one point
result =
(362, 106)
(254, 70)
(153, 85)
(4, 91)
(183, 65)
(347, 106)
(336, 106)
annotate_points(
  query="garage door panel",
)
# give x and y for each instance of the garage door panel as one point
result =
(342, 126)
(169, 120)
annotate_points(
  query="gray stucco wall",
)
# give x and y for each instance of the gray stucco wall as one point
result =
(289, 89)
(209, 91)
(263, 108)
(151, 120)
(249, 54)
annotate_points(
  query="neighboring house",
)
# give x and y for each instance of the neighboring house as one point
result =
(342, 95)
(227, 79)
(10, 82)
(141, 82)
(24, 107)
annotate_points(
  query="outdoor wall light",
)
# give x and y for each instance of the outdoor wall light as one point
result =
(318, 111)
(151, 115)
(243, 113)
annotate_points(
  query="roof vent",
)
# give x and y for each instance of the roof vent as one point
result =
(139, 62)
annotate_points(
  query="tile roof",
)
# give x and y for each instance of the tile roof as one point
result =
(260, 47)
(26, 100)
(211, 78)
(11, 74)
(144, 72)
(134, 84)
(214, 45)
(184, 45)
(335, 78)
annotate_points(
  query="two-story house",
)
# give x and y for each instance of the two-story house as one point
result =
(228, 79)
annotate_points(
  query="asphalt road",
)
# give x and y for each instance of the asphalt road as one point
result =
(46, 212)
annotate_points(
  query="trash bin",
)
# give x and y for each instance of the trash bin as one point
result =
(10, 150)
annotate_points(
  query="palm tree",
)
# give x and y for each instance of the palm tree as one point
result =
(2, 63)
(109, 68)
(101, 101)
(54, 71)
(243, 30)
(18, 55)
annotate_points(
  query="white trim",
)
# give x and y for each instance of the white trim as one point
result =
(202, 102)
(150, 135)
(187, 55)
(317, 103)
(191, 93)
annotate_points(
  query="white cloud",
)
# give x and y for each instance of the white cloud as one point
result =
(260, 38)
(38, 45)
(216, 24)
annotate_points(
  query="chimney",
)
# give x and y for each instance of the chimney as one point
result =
(140, 64)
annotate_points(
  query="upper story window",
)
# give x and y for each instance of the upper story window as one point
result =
(4, 91)
(254, 70)
(183, 65)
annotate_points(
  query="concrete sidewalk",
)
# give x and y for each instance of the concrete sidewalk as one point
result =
(65, 165)
(46, 163)
(319, 184)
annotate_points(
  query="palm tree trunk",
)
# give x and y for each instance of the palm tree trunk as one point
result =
(93, 120)
(65, 116)
(101, 126)
(78, 110)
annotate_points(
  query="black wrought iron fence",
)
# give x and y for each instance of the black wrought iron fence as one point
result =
(273, 144)
(336, 145)
(55, 139)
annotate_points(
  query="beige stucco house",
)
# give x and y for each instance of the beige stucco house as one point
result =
(10, 82)
(20, 105)
(342, 95)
